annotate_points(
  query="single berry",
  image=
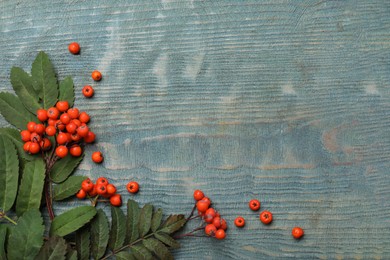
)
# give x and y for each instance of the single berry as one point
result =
(53, 113)
(207, 199)
(74, 48)
(39, 129)
(297, 232)
(202, 206)
(93, 192)
(50, 130)
(220, 234)
(26, 146)
(266, 217)
(223, 224)
(42, 115)
(90, 138)
(254, 205)
(217, 222)
(102, 180)
(75, 137)
(73, 112)
(83, 130)
(116, 200)
(51, 122)
(132, 187)
(96, 75)
(71, 128)
(61, 151)
(88, 91)
(239, 222)
(97, 157)
(35, 138)
(62, 138)
(62, 106)
(209, 215)
(59, 125)
(81, 194)
(75, 150)
(198, 195)
(31, 126)
(45, 144)
(87, 185)
(84, 117)
(101, 188)
(111, 189)
(34, 148)
(65, 118)
(26, 135)
(76, 122)
(210, 230)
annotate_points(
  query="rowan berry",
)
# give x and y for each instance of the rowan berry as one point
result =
(88, 91)
(75, 137)
(217, 222)
(84, 117)
(39, 129)
(74, 48)
(83, 130)
(42, 115)
(51, 122)
(239, 222)
(111, 189)
(101, 188)
(254, 205)
(202, 205)
(102, 180)
(87, 185)
(96, 75)
(220, 234)
(62, 138)
(210, 230)
(116, 200)
(93, 192)
(59, 125)
(297, 232)
(26, 135)
(61, 151)
(73, 112)
(75, 150)
(65, 118)
(198, 195)
(53, 113)
(97, 157)
(45, 144)
(207, 199)
(71, 128)
(31, 126)
(62, 106)
(90, 138)
(35, 138)
(50, 130)
(34, 148)
(132, 187)
(76, 122)
(209, 215)
(81, 194)
(26, 146)
(223, 224)
(266, 217)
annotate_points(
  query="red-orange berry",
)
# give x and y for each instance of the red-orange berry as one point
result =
(87, 185)
(116, 200)
(42, 115)
(239, 221)
(210, 230)
(84, 117)
(88, 91)
(96, 75)
(81, 194)
(74, 48)
(51, 122)
(26, 146)
(207, 199)
(65, 118)
(90, 138)
(83, 130)
(39, 129)
(266, 217)
(254, 205)
(102, 180)
(198, 195)
(111, 189)
(209, 215)
(59, 125)
(73, 112)
(76, 122)
(50, 130)
(97, 157)
(61, 151)
(132, 187)
(45, 144)
(75, 150)
(223, 224)
(31, 126)
(26, 135)
(202, 205)
(93, 192)
(220, 234)
(217, 222)
(35, 138)
(297, 232)
(101, 188)
(34, 148)
(53, 113)
(62, 106)
(75, 137)
(71, 128)
(62, 138)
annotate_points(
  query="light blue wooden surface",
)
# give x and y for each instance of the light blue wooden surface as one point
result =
(284, 101)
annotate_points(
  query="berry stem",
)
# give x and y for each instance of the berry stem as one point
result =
(190, 234)
(192, 213)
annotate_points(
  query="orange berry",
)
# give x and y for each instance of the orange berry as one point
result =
(62, 106)
(254, 205)
(101, 188)
(39, 129)
(266, 217)
(81, 194)
(88, 91)
(26, 146)
(102, 180)
(61, 151)
(53, 113)
(239, 222)
(202, 205)
(31, 126)
(198, 195)
(223, 224)
(90, 138)
(87, 185)
(73, 112)
(26, 135)
(84, 117)
(83, 130)
(96, 75)
(210, 230)
(35, 138)
(217, 222)
(45, 144)
(75, 150)
(97, 157)
(65, 118)
(116, 200)
(209, 215)
(75, 137)
(59, 125)
(111, 189)
(42, 115)
(220, 234)
(62, 138)
(74, 48)
(50, 130)
(297, 232)
(132, 187)
(34, 148)
(71, 128)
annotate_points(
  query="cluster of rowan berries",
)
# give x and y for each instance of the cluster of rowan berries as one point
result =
(68, 125)
(215, 224)
(100, 188)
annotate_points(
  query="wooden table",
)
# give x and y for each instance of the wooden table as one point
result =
(286, 101)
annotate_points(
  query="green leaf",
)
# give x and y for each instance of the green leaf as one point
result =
(173, 224)
(167, 239)
(83, 243)
(157, 248)
(145, 219)
(14, 136)
(124, 255)
(31, 187)
(133, 212)
(26, 237)
(118, 228)
(3, 236)
(53, 249)
(45, 80)
(68, 188)
(156, 220)
(9, 173)
(71, 254)
(99, 234)
(141, 252)
(22, 83)
(14, 112)
(67, 91)
(64, 167)
(72, 220)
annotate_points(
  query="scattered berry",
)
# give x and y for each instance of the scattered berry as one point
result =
(88, 91)
(74, 48)
(96, 75)
(132, 187)
(239, 222)
(254, 205)
(116, 200)
(97, 157)
(266, 217)
(297, 232)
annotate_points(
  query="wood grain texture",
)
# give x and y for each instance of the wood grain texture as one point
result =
(286, 101)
